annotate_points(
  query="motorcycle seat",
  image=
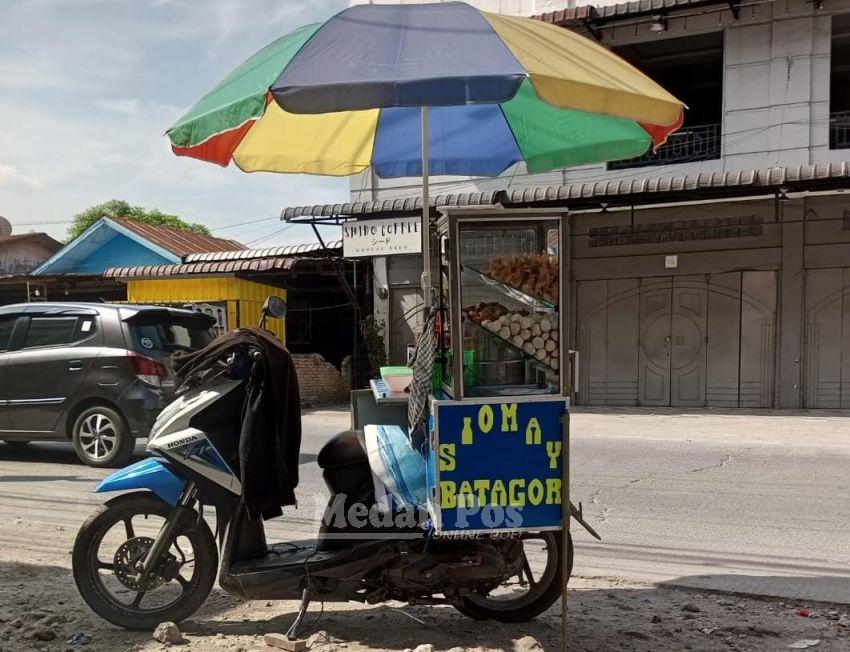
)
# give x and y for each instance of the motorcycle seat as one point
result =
(348, 447)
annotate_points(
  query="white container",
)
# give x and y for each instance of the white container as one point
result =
(398, 379)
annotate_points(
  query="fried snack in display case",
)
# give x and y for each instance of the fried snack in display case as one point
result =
(536, 275)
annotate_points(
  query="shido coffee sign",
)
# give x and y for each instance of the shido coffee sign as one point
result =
(382, 237)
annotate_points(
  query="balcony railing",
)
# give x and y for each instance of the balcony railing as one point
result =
(689, 144)
(839, 130)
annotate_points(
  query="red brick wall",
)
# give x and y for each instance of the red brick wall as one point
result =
(321, 383)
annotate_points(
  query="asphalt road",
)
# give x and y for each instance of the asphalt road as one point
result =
(748, 503)
(753, 503)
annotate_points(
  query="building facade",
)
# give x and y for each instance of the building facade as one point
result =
(20, 254)
(74, 271)
(322, 322)
(757, 78)
(724, 295)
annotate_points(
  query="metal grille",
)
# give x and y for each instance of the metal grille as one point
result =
(498, 242)
(839, 130)
(697, 143)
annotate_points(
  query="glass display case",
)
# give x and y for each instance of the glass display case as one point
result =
(502, 284)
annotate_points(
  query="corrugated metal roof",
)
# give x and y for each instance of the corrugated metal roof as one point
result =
(400, 205)
(78, 279)
(571, 16)
(178, 241)
(270, 259)
(577, 194)
(277, 264)
(567, 15)
(269, 252)
(43, 238)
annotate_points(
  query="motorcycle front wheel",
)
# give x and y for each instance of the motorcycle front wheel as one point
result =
(533, 591)
(114, 541)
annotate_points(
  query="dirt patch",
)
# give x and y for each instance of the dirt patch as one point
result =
(41, 610)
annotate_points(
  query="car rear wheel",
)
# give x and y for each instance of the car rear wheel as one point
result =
(101, 438)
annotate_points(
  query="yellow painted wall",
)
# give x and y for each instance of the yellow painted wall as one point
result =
(244, 298)
(252, 295)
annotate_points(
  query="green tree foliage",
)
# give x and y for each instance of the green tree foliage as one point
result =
(121, 209)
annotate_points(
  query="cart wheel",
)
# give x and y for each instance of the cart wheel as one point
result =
(525, 597)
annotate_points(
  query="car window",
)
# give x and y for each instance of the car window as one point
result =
(6, 326)
(56, 331)
(168, 335)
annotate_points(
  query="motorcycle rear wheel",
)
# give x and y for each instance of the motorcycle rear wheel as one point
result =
(543, 590)
(94, 575)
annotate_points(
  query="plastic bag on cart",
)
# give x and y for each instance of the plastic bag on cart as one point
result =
(423, 374)
(398, 471)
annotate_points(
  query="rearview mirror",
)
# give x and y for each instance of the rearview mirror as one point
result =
(275, 307)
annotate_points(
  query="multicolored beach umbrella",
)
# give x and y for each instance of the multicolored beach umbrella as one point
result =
(339, 97)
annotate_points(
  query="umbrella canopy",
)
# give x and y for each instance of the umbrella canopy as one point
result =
(338, 97)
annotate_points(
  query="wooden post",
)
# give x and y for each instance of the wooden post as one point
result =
(426, 216)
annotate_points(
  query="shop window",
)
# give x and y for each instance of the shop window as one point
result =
(509, 294)
(839, 83)
(690, 68)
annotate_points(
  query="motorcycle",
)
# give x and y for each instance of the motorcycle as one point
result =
(148, 554)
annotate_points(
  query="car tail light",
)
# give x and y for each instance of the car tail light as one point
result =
(147, 369)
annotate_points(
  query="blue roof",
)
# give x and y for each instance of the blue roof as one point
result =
(105, 244)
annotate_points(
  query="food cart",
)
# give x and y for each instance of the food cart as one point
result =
(497, 448)
(499, 414)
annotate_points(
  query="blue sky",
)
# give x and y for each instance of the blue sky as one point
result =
(87, 88)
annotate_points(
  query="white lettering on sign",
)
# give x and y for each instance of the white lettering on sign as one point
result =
(401, 235)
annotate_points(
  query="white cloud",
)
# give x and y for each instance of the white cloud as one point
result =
(10, 175)
(133, 107)
(232, 18)
(124, 106)
(28, 72)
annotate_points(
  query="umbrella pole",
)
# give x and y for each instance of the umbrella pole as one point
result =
(426, 216)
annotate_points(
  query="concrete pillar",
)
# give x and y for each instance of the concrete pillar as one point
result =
(380, 292)
(791, 313)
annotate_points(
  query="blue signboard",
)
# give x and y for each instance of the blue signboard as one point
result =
(496, 464)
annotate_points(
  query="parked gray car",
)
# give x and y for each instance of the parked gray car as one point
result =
(95, 374)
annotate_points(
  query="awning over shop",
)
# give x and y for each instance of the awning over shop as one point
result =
(271, 259)
(577, 196)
